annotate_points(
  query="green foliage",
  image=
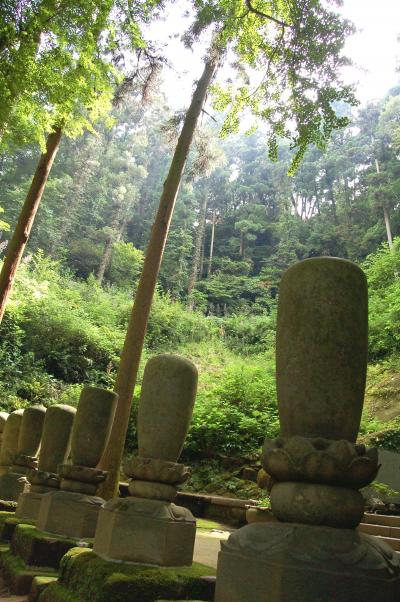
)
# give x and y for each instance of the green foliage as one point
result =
(57, 66)
(297, 46)
(234, 412)
(383, 269)
(126, 264)
(250, 334)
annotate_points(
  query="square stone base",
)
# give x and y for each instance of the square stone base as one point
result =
(282, 562)
(69, 514)
(145, 531)
(29, 505)
(12, 485)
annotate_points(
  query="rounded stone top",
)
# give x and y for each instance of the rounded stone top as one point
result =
(92, 425)
(31, 430)
(166, 404)
(321, 350)
(56, 437)
(3, 419)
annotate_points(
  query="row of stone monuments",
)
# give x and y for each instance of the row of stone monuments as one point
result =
(313, 553)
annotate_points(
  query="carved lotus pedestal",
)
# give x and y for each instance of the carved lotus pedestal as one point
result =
(72, 511)
(147, 527)
(314, 554)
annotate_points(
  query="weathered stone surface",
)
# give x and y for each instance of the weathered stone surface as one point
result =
(278, 562)
(69, 514)
(154, 469)
(166, 405)
(12, 484)
(145, 531)
(9, 444)
(333, 462)
(92, 425)
(3, 419)
(315, 504)
(29, 505)
(322, 348)
(31, 430)
(56, 437)
(154, 491)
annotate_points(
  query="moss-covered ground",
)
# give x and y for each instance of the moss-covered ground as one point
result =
(85, 577)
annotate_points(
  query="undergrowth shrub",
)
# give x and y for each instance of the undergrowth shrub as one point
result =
(234, 412)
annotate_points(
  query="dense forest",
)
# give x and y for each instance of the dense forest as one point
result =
(240, 221)
(318, 176)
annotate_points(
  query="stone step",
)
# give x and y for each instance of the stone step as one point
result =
(381, 519)
(391, 541)
(382, 530)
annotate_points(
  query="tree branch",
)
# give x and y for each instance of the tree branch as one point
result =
(264, 15)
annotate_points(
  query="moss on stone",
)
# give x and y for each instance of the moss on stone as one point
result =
(39, 584)
(55, 592)
(18, 576)
(38, 548)
(91, 578)
(8, 523)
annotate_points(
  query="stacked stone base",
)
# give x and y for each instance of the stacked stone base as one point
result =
(69, 514)
(147, 531)
(29, 505)
(282, 562)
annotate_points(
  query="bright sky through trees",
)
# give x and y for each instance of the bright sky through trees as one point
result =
(374, 49)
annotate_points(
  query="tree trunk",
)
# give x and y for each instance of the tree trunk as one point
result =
(210, 257)
(197, 250)
(385, 215)
(388, 228)
(132, 349)
(26, 218)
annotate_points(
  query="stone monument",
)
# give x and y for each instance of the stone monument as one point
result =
(147, 527)
(315, 554)
(30, 432)
(3, 420)
(9, 441)
(73, 510)
(54, 450)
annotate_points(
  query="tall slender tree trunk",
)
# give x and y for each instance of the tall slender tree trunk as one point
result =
(210, 257)
(385, 215)
(132, 349)
(26, 218)
(197, 250)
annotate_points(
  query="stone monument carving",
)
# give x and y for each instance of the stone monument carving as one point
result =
(73, 510)
(30, 433)
(315, 554)
(9, 441)
(54, 450)
(147, 527)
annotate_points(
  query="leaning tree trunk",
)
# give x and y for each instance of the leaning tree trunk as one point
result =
(26, 218)
(132, 349)
(197, 251)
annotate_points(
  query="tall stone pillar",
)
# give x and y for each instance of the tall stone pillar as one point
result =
(9, 441)
(73, 510)
(30, 434)
(315, 554)
(54, 450)
(147, 527)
